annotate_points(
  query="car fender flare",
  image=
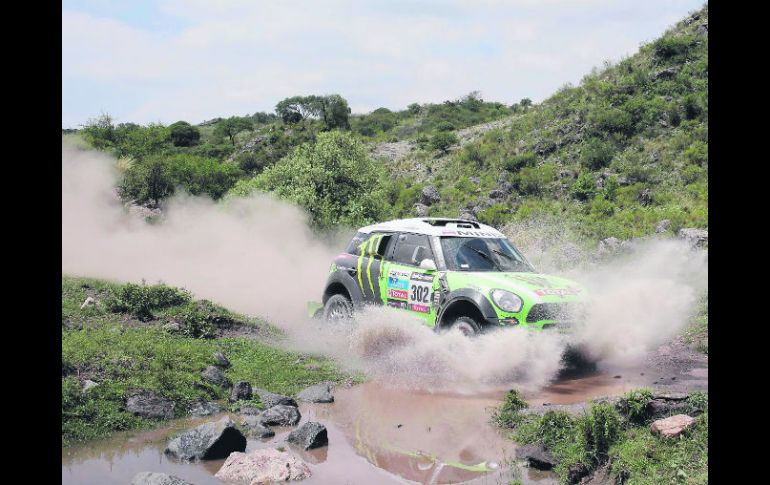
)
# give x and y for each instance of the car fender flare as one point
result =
(476, 297)
(343, 278)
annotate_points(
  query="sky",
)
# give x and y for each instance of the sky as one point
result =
(162, 61)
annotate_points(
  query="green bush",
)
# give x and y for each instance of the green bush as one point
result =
(507, 415)
(634, 405)
(533, 180)
(140, 300)
(599, 430)
(584, 187)
(596, 154)
(443, 140)
(517, 162)
(183, 134)
(671, 47)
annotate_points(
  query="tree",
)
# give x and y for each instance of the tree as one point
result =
(232, 126)
(525, 103)
(183, 134)
(332, 109)
(99, 132)
(333, 179)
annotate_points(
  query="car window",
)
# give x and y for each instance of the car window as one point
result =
(354, 247)
(411, 249)
(483, 254)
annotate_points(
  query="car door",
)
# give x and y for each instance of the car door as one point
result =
(406, 285)
(369, 265)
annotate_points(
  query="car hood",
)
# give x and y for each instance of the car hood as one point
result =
(537, 286)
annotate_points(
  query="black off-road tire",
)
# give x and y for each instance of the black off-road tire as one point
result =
(467, 326)
(338, 308)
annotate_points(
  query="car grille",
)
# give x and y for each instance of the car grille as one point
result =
(559, 312)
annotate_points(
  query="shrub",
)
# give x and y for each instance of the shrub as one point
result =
(599, 430)
(634, 405)
(443, 140)
(596, 154)
(584, 187)
(517, 162)
(444, 126)
(183, 134)
(140, 300)
(611, 120)
(533, 180)
(507, 415)
(671, 47)
(197, 322)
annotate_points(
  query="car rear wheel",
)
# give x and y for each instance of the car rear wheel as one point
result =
(338, 308)
(466, 325)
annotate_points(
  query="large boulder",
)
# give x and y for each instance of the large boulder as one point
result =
(318, 393)
(536, 455)
(270, 399)
(264, 466)
(695, 237)
(280, 415)
(148, 404)
(672, 426)
(310, 435)
(240, 391)
(429, 195)
(608, 245)
(221, 360)
(210, 441)
(214, 375)
(152, 478)
(253, 427)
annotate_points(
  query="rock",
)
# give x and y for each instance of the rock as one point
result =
(703, 29)
(672, 426)
(420, 210)
(668, 73)
(255, 429)
(148, 404)
(645, 197)
(152, 478)
(536, 455)
(475, 180)
(317, 393)
(696, 237)
(662, 226)
(506, 188)
(608, 245)
(661, 408)
(205, 409)
(210, 441)
(270, 399)
(88, 301)
(262, 467)
(221, 360)
(250, 410)
(496, 194)
(429, 195)
(629, 245)
(468, 216)
(214, 375)
(172, 326)
(279, 415)
(89, 384)
(240, 391)
(310, 435)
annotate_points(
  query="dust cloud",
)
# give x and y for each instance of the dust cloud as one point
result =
(257, 256)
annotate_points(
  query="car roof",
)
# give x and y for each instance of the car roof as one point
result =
(435, 226)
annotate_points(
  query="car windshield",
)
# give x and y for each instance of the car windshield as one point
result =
(483, 254)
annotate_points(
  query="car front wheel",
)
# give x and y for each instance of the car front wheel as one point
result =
(466, 325)
(338, 308)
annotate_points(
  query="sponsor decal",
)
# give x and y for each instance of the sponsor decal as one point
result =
(416, 307)
(476, 234)
(398, 283)
(421, 277)
(557, 291)
(397, 304)
(532, 280)
(398, 294)
(394, 273)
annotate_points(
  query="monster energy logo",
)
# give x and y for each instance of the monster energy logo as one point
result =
(366, 248)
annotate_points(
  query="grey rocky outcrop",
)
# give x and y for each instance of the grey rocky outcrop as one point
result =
(221, 360)
(310, 435)
(148, 404)
(319, 393)
(429, 195)
(205, 409)
(210, 441)
(695, 237)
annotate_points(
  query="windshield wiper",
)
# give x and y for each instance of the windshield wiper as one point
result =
(516, 261)
(487, 257)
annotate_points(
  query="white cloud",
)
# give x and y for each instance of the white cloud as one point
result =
(238, 56)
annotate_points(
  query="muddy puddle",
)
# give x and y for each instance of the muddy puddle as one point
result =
(377, 435)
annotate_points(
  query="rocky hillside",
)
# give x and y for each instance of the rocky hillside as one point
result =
(614, 156)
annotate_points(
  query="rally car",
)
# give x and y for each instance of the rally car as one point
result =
(452, 273)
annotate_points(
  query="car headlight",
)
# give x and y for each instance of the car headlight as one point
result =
(507, 301)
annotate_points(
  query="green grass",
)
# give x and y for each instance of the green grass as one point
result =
(620, 440)
(97, 345)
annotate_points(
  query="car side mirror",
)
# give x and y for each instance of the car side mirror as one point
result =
(428, 264)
